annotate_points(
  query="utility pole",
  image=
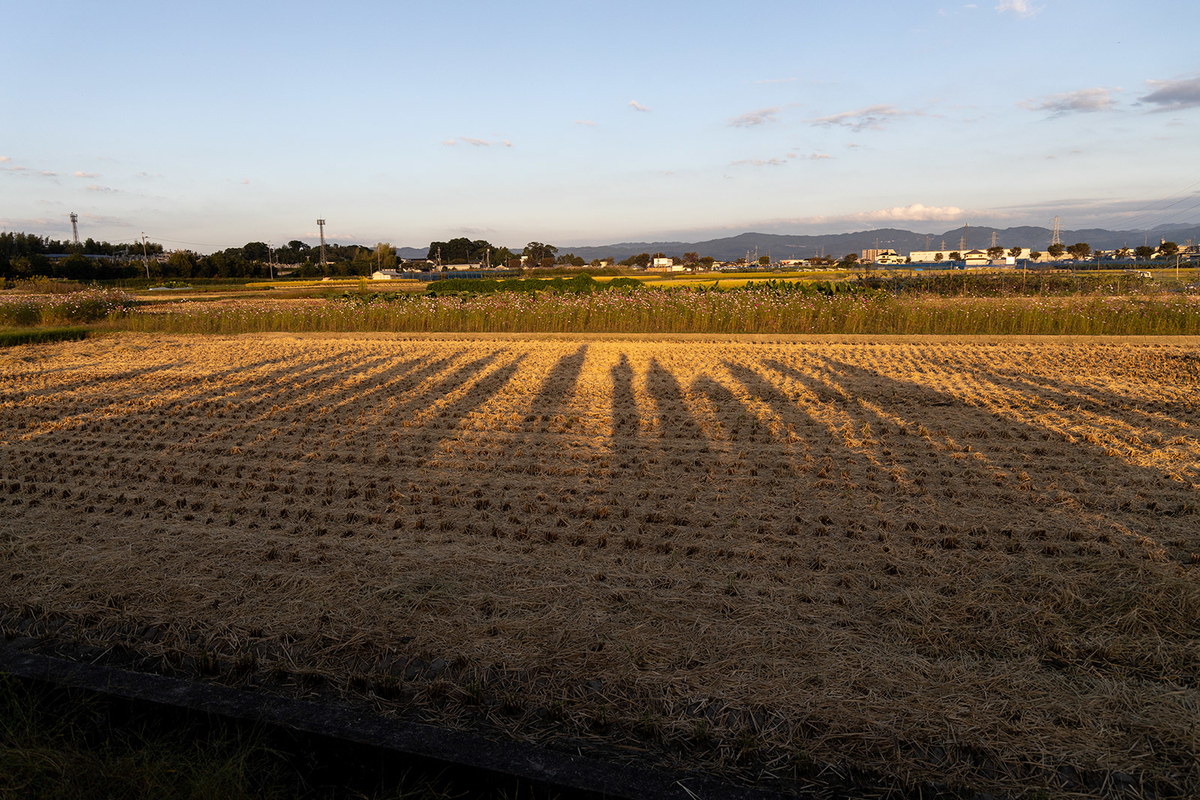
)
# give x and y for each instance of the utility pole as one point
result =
(270, 262)
(145, 256)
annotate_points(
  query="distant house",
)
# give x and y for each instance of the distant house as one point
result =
(976, 258)
(888, 256)
(662, 263)
(386, 275)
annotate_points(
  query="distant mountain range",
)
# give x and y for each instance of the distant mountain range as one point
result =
(780, 246)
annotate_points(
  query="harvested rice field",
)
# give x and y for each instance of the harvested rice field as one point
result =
(914, 564)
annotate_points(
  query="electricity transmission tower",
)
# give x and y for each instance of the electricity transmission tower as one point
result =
(321, 225)
(75, 228)
(1055, 240)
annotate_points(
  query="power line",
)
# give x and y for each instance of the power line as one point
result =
(1146, 215)
(177, 241)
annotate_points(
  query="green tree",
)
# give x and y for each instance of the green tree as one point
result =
(642, 260)
(1168, 248)
(708, 261)
(76, 267)
(1035, 254)
(1056, 250)
(1016, 252)
(181, 264)
(956, 256)
(1124, 253)
(385, 256)
(1080, 250)
(765, 261)
(256, 251)
(937, 257)
(995, 252)
(501, 256)
(535, 252)
(849, 260)
(691, 259)
(1143, 252)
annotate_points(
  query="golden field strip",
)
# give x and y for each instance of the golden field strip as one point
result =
(962, 562)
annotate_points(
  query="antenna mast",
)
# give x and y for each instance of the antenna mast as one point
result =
(321, 225)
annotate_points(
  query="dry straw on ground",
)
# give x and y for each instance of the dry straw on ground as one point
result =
(969, 563)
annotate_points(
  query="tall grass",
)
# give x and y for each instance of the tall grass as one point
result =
(86, 305)
(681, 311)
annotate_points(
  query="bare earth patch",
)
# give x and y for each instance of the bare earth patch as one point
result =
(972, 564)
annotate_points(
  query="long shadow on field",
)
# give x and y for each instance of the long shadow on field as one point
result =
(335, 391)
(624, 414)
(132, 375)
(557, 388)
(455, 413)
(457, 378)
(674, 419)
(362, 390)
(1090, 398)
(1124, 506)
(540, 432)
(749, 441)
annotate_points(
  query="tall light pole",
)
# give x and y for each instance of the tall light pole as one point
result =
(321, 225)
(145, 256)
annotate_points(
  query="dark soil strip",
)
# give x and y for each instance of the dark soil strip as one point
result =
(12, 338)
(344, 746)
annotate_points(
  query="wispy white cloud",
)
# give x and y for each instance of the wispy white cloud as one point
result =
(21, 170)
(777, 80)
(474, 142)
(1083, 101)
(1173, 95)
(586, 122)
(79, 174)
(101, 219)
(911, 213)
(636, 106)
(147, 175)
(759, 162)
(871, 117)
(759, 117)
(1022, 8)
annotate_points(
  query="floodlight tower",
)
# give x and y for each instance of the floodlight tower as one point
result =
(75, 228)
(321, 225)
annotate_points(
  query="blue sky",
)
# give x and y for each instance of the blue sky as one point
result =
(208, 125)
